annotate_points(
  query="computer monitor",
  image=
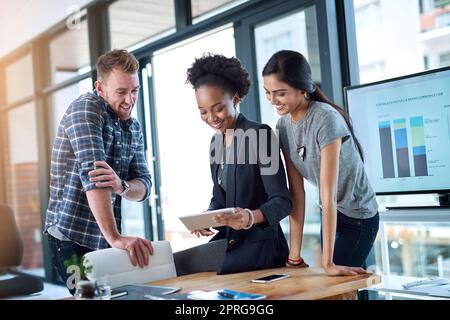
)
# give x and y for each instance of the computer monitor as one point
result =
(403, 125)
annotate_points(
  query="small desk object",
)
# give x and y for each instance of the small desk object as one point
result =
(302, 283)
(393, 285)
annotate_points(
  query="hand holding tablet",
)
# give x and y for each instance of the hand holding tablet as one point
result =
(205, 219)
(240, 219)
(203, 232)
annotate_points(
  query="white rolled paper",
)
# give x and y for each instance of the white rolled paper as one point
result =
(117, 265)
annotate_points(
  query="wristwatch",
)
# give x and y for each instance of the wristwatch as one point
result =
(126, 188)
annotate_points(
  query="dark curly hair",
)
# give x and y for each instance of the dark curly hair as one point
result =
(218, 70)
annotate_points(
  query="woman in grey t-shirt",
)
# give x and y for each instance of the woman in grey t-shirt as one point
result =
(319, 145)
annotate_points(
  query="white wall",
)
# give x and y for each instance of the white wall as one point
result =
(22, 20)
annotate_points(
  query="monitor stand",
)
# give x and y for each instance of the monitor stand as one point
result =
(444, 203)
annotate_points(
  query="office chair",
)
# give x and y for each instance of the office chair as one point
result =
(11, 251)
(117, 265)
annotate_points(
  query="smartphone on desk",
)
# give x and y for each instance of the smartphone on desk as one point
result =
(118, 293)
(271, 278)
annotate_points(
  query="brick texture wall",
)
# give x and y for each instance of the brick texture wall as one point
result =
(21, 183)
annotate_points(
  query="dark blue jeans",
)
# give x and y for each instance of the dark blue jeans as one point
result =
(354, 239)
(63, 251)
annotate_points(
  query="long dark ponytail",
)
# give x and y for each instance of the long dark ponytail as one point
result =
(293, 69)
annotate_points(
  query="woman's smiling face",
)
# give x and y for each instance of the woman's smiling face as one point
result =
(282, 96)
(217, 108)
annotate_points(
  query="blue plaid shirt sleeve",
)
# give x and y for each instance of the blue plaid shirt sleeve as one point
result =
(83, 127)
(139, 169)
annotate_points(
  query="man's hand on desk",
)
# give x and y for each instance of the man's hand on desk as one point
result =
(335, 270)
(138, 249)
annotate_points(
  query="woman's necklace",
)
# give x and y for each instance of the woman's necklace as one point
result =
(300, 147)
(222, 162)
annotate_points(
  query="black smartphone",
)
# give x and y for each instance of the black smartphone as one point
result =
(271, 278)
(118, 293)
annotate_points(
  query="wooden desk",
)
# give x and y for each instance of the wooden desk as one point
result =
(303, 283)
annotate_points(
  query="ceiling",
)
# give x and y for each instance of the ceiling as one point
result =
(22, 20)
(132, 21)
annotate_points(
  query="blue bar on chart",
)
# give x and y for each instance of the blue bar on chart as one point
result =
(401, 147)
(419, 148)
(387, 154)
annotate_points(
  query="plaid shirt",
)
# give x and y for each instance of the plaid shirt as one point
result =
(91, 131)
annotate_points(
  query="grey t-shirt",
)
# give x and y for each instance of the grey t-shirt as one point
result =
(321, 125)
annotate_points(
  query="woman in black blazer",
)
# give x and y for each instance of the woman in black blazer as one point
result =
(246, 169)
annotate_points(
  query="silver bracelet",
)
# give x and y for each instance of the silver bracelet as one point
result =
(251, 219)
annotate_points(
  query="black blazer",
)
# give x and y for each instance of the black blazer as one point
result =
(263, 245)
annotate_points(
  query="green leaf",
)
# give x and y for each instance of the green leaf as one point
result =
(84, 269)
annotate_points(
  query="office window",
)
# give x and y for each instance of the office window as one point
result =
(69, 53)
(21, 177)
(441, 3)
(444, 59)
(443, 20)
(133, 212)
(369, 15)
(203, 9)
(183, 138)
(19, 79)
(132, 218)
(60, 101)
(373, 71)
(426, 5)
(421, 6)
(401, 44)
(417, 249)
(296, 31)
(389, 37)
(132, 22)
(399, 41)
(425, 62)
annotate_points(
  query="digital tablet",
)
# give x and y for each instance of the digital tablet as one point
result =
(204, 220)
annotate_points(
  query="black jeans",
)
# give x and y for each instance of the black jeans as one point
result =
(354, 239)
(65, 254)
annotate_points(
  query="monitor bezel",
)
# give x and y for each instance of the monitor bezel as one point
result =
(418, 74)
